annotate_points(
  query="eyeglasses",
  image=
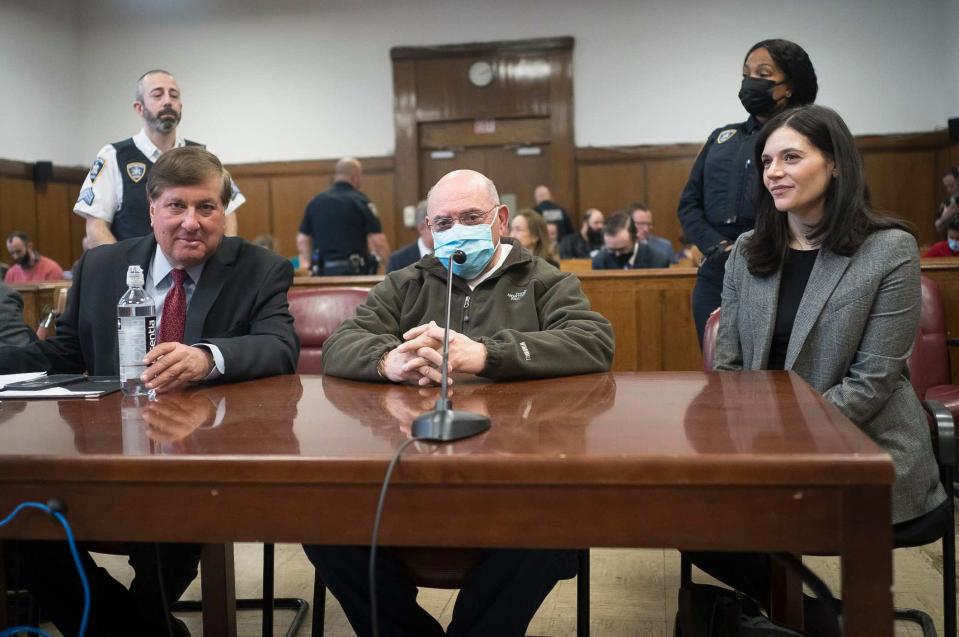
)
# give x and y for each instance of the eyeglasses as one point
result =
(470, 218)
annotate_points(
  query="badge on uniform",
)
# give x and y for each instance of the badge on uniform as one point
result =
(87, 196)
(369, 204)
(95, 169)
(725, 135)
(136, 170)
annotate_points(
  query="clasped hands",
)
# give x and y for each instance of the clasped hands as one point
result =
(170, 366)
(420, 358)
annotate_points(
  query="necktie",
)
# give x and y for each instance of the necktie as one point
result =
(174, 310)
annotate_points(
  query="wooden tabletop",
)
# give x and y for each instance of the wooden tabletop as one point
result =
(628, 428)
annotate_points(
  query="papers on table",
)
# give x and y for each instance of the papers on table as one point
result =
(91, 388)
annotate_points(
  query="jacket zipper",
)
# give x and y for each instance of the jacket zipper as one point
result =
(466, 314)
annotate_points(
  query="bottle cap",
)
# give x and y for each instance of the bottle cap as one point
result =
(134, 276)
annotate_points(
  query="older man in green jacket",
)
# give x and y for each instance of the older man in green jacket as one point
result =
(513, 316)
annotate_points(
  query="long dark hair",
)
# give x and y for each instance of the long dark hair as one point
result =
(795, 64)
(847, 216)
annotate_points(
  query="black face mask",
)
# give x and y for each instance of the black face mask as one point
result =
(23, 261)
(594, 237)
(757, 95)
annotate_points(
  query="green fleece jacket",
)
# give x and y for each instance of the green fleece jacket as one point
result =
(533, 319)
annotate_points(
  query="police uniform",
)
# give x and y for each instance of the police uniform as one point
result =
(115, 188)
(339, 221)
(554, 213)
(717, 205)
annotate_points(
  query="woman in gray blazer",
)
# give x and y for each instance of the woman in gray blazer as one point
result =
(828, 288)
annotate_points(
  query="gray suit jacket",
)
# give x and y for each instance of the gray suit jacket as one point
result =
(852, 334)
(13, 331)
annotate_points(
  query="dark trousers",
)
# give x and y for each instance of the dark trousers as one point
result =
(47, 570)
(749, 572)
(498, 597)
(708, 293)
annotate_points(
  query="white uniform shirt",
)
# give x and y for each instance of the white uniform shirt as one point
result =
(102, 192)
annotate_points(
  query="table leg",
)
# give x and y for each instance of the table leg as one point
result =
(867, 562)
(218, 587)
(785, 596)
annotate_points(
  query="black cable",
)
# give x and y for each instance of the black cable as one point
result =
(163, 599)
(376, 531)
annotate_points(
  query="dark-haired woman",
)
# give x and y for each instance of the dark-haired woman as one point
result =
(826, 287)
(717, 203)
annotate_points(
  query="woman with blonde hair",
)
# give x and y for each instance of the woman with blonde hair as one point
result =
(529, 228)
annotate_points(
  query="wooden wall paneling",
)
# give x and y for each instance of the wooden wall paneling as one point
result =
(616, 299)
(680, 346)
(431, 169)
(945, 273)
(665, 180)
(18, 210)
(288, 199)
(255, 216)
(518, 175)
(899, 184)
(53, 217)
(563, 163)
(458, 134)
(77, 224)
(379, 188)
(649, 328)
(610, 186)
(407, 189)
(444, 92)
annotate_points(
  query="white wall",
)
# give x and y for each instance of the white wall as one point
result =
(293, 79)
(39, 87)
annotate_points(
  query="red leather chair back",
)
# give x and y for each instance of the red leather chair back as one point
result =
(709, 339)
(932, 340)
(317, 312)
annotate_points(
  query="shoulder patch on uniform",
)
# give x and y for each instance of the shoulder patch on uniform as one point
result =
(725, 135)
(87, 196)
(369, 204)
(95, 169)
(136, 170)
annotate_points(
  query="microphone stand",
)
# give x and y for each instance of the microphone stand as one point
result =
(443, 424)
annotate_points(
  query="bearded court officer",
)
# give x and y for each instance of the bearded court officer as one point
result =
(113, 197)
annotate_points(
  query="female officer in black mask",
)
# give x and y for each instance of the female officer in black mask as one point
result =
(717, 203)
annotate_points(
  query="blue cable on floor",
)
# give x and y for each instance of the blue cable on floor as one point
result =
(55, 512)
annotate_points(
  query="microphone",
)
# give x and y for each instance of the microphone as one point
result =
(443, 424)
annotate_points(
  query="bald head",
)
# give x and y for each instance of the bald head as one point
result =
(542, 194)
(349, 169)
(461, 186)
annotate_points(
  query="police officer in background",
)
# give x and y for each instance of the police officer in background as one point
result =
(717, 204)
(113, 197)
(552, 212)
(340, 231)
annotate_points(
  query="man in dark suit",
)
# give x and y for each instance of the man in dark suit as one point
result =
(408, 255)
(622, 250)
(228, 300)
(13, 331)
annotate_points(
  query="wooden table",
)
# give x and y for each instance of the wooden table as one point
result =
(753, 460)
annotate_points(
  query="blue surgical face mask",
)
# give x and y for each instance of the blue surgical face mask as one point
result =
(476, 241)
(953, 245)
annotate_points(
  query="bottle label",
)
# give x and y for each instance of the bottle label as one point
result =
(136, 335)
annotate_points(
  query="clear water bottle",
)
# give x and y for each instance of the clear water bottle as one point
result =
(136, 332)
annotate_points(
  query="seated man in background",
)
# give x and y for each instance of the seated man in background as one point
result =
(13, 331)
(525, 319)
(586, 243)
(410, 254)
(949, 247)
(643, 219)
(623, 250)
(552, 212)
(29, 266)
(223, 315)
